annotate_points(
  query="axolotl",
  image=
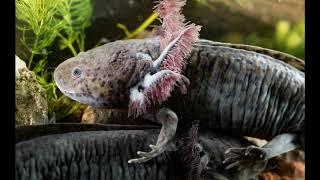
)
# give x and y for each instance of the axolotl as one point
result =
(236, 89)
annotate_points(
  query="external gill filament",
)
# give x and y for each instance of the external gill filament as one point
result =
(151, 79)
(136, 95)
(165, 52)
(154, 89)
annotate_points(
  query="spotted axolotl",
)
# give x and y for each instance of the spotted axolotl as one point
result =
(238, 89)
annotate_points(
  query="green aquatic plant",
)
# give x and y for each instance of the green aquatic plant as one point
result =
(59, 106)
(39, 26)
(140, 28)
(76, 17)
(43, 22)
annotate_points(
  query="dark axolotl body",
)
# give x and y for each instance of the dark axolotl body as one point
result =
(103, 154)
(242, 90)
(92, 155)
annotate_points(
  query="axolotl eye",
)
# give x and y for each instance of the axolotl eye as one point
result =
(76, 72)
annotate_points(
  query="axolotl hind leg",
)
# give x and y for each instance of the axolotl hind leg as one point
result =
(242, 158)
(169, 121)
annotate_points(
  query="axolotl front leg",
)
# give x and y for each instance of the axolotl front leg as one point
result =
(169, 121)
(155, 88)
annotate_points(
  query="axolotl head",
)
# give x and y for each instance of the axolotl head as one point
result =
(102, 77)
(131, 73)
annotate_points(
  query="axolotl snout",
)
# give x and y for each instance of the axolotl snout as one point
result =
(102, 77)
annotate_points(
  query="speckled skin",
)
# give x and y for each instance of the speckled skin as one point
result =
(107, 73)
(239, 89)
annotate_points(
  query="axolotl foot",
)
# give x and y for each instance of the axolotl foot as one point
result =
(146, 156)
(253, 159)
(245, 158)
(169, 122)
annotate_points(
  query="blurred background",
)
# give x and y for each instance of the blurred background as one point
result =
(275, 24)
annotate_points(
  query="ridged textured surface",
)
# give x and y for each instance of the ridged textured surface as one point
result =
(95, 155)
(242, 92)
(92, 155)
